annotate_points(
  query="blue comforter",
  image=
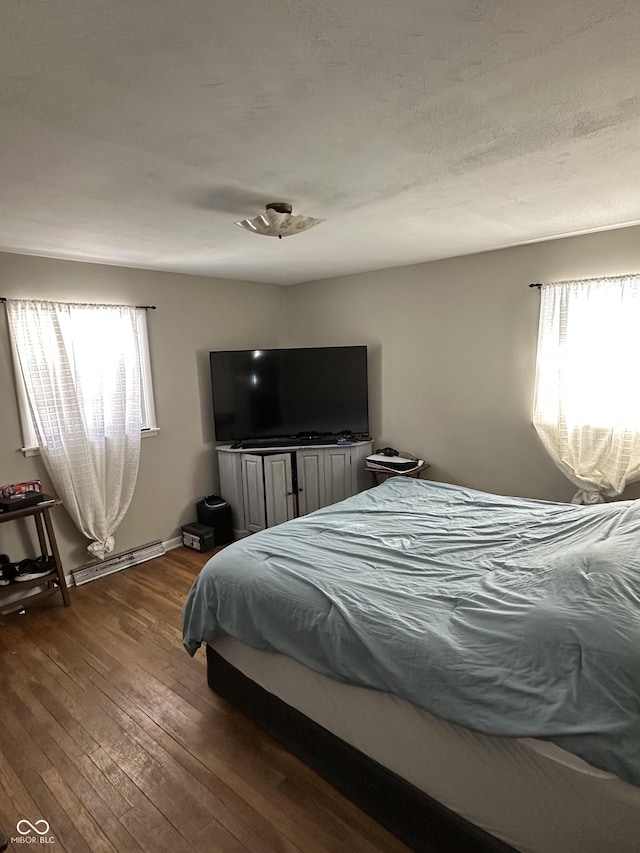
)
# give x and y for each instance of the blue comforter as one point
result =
(510, 616)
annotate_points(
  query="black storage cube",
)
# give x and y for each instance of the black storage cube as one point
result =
(215, 512)
(198, 536)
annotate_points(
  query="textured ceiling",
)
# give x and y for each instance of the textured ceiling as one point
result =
(136, 133)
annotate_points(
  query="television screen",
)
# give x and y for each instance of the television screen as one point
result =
(280, 393)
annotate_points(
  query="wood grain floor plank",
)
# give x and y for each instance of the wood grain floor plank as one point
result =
(17, 802)
(216, 838)
(35, 796)
(175, 802)
(155, 707)
(11, 814)
(185, 792)
(95, 820)
(155, 836)
(76, 768)
(44, 705)
(149, 784)
(113, 736)
(195, 771)
(55, 692)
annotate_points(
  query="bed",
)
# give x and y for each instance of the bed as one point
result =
(465, 666)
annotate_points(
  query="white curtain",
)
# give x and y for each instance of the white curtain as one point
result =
(81, 370)
(587, 396)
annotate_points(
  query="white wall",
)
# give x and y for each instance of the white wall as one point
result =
(452, 353)
(193, 316)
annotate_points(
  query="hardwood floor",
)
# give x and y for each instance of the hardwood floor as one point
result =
(109, 732)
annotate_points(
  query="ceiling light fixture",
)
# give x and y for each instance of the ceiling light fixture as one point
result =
(277, 221)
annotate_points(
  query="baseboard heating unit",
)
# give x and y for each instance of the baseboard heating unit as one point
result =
(117, 562)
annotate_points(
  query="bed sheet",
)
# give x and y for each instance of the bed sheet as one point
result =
(509, 616)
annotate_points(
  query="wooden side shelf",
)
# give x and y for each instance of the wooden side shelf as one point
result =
(53, 581)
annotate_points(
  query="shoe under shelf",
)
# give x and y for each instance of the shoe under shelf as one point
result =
(12, 598)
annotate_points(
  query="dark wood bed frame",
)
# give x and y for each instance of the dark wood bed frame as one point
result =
(419, 821)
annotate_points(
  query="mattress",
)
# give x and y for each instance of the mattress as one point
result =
(527, 792)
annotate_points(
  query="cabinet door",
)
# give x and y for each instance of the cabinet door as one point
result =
(278, 488)
(232, 489)
(253, 492)
(337, 474)
(311, 493)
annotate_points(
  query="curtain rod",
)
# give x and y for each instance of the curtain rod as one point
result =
(141, 307)
(589, 280)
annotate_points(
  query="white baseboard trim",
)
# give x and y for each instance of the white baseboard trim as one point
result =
(170, 544)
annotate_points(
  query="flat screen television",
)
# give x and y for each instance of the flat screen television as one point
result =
(289, 393)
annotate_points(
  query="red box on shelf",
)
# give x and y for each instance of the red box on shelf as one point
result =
(20, 488)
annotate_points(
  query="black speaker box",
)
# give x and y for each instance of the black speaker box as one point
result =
(215, 512)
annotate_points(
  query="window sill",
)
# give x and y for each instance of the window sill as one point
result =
(35, 451)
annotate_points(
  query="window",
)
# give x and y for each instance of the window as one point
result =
(86, 338)
(588, 368)
(587, 406)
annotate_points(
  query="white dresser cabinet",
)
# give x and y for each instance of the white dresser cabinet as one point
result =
(267, 486)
